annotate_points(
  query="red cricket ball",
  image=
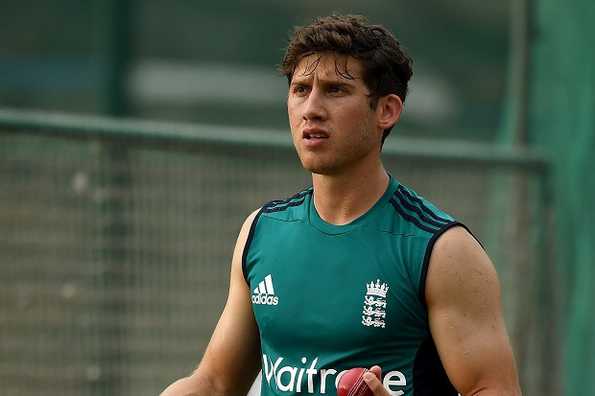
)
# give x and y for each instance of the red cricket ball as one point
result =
(352, 383)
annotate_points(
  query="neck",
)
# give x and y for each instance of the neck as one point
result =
(341, 198)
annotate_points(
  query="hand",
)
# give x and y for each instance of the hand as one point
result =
(372, 379)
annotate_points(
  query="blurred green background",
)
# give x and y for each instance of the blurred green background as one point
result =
(115, 235)
(214, 62)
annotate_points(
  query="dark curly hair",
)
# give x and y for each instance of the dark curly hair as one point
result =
(387, 68)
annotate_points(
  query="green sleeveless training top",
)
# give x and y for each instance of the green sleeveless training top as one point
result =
(327, 298)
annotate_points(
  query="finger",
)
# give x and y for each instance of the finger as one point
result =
(372, 379)
(377, 371)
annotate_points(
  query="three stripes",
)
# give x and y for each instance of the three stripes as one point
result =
(282, 204)
(413, 209)
(265, 286)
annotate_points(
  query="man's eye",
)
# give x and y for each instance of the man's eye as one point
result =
(300, 89)
(333, 89)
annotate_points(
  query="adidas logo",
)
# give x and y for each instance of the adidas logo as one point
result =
(265, 293)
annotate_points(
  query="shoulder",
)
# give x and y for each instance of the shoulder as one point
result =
(248, 223)
(280, 211)
(244, 237)
(288, 209)
(270, 209)
(420, 229)
(415, 215)
(416, 223)
(459, 269)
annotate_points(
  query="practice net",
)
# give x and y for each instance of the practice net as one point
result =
(116, 241)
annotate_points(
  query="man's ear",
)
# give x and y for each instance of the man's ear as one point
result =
(389, 110)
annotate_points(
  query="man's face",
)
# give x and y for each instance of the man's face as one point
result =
(332, 124)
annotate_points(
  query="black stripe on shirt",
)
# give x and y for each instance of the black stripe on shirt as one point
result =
(412, 219)
(423, 217)
(423, 207)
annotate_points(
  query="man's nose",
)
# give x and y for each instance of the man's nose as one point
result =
(315, 109)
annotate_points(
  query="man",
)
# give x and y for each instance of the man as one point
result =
(357, 271)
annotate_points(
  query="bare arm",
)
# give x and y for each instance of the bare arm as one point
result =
(232, 358)
(463, 297)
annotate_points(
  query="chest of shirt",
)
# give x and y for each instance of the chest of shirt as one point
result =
(329, 291)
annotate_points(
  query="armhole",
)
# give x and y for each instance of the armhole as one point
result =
(428, 254)
(248, 242)
(429, 376)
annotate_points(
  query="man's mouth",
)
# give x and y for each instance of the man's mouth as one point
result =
(314, 133)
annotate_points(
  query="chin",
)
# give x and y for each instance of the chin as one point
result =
(324, 165)
(320, 169)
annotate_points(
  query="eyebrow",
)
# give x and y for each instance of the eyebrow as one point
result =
(323, 81)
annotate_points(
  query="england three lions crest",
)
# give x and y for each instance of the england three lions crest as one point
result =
(374, 311)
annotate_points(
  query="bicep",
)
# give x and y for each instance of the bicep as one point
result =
(463, 296)
(233, 355)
